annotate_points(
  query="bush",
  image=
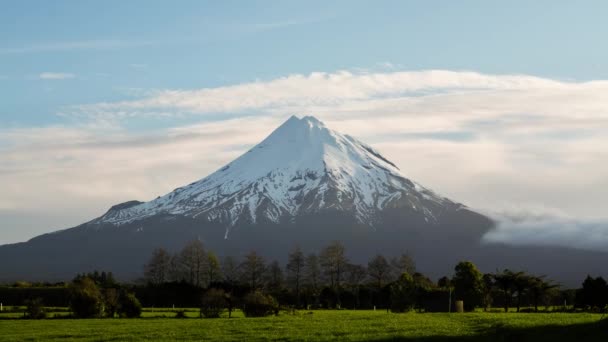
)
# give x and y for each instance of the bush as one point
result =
(257, 304)
(86, 300)
(129, 307)
(213, 303)
(34, 309)
(180, 314)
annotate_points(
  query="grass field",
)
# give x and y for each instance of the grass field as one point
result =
(317, 326)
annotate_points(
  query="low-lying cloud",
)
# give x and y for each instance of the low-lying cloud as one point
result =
(549, 229)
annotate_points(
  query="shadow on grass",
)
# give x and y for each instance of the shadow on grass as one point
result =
(596, 331)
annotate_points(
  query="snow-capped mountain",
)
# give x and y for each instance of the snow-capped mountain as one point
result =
(303, 167)
(305, 185)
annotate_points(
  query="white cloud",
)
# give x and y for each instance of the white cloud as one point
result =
(55, 76)
(490, 141)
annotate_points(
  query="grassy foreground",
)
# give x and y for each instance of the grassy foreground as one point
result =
(319, 326)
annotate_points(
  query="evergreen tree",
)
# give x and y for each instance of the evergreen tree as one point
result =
(468, 284)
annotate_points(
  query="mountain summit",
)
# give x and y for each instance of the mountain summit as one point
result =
(303, 167)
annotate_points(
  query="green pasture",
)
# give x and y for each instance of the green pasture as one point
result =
(343, 325)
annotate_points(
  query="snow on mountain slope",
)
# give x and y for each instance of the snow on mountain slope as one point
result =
(302, 167)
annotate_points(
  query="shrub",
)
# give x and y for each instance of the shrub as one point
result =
(86, 300)
(257, 304)
(34, 309)
(180, 314)
(213, 303)
(129, 307)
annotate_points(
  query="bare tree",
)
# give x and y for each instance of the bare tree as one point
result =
(274, 277)
(403, 264)
(312, 276)
(312, 273)
(333, 261)
(156, 271)
(193, 259)
(379, 270)
(176, 269)
(356, 276)
(295, 270)
(212, 268)
(252, 270)
(230, 270)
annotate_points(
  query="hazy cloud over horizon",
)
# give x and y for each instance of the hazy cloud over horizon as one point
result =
(490, 141)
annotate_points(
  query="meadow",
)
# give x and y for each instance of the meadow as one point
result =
(318, 325)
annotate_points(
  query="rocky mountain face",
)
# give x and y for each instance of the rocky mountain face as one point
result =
(304, 184)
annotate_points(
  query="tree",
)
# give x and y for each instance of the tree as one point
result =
(130, 307)
(403, 264)
(230, 270)
(444, 282)
(213, 303)
(468, 284)
(539, 288)
(356, 276)
(176, 269)
(34, 309)
(312, 276)
(111, 299)
(379, 270)
(156, 271)
(295, 270)
(333, 261)
(594, 293)
(402, 293)
(334, 264)
(257, 304)
(275, 279)
(253, 269)
(193, 259)
(212, 268)
(488, 286)
(521, 284)
(505, 281)
(86, 300)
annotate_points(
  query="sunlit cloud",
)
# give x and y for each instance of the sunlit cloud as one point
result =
(489, 141)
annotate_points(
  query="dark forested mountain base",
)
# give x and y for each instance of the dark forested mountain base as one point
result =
(435, 248)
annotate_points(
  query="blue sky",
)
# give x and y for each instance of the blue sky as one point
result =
(118, 46)
(104, 102)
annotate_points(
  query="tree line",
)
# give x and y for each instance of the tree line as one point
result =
(328, 279)
(197, 277)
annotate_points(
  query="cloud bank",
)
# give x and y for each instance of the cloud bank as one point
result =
(489, 141)
(549, 228)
